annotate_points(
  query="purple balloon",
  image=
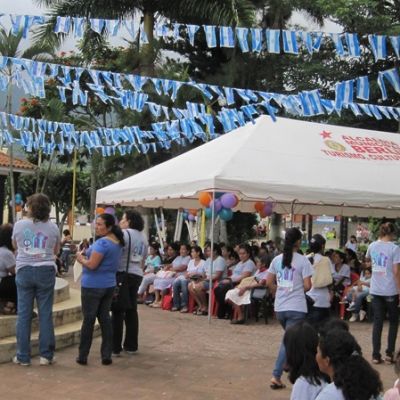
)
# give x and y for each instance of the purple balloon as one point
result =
(191, 217)
(268, 206)
(109, 210)
(228, 200)
(217, 205)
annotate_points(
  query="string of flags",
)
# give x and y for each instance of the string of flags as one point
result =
(254, 40)
(109, 86)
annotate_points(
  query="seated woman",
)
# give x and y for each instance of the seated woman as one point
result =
(340, 275)
(152, 265)
(199, 288)
(357, 294)
(339, 356)
(8, 288)
(166, 277)
(240, 295)
(243, 269)
(301, 343)
(195, 272)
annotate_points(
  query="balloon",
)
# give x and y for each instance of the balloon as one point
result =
(18, 197)
(193, 212)
(205, 199)
(208, 213)
(226, 214)
(267, 209)
(18, 208)
(217, 205)
(191, 217)
(262, 214)
(99, 210)
(259, 205)
(229, 200)
(219, 194)
(185, 215)
(109, 210)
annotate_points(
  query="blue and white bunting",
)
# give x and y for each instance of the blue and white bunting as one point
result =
(337, 40)
(378, 46)
(392, 76)
(143, 35)
(211, 37)
(16, 21)
(318, 37)
(290, 42)
(226, 37)
(97, 25)
(161, 30)
(242, 37)
(307, 41)
(353, 45)
(132, 27)
(273, 41)
(78, 26)
(256, 39)
(395, 41)
(192, 30)
(362, 84)
(112, 26)
(63, 25)
(176, 32)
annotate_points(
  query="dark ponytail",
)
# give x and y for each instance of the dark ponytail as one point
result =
(109, 221)
(387, 229)
(349, 366)
(291, 237)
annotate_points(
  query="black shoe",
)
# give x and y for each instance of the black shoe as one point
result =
(237, 322)
(81, 361)
(106, 361)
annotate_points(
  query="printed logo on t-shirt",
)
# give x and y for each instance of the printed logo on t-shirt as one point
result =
(380, 262)
(285, 278)
(35, 244)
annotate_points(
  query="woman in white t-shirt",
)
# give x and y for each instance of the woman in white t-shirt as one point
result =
(320, 310)
(195, 272)
(339, 356)
(384, 288)
(301, 343)
(8, 288)
(291, 273)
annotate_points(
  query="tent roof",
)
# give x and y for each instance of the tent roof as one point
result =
(303, 167)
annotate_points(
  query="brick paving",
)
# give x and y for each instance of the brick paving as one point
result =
(180, 357)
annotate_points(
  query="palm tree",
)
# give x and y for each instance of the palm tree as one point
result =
(10, 46)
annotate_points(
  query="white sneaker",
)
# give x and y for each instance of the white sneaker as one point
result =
(16, 361)
(46, 361)
(363, 314)
(353, 318)
(351, 306)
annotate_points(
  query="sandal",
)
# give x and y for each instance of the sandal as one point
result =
(275, 385)
(377, 361)
(389, 360)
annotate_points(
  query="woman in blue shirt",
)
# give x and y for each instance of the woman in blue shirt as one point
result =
(98, 282)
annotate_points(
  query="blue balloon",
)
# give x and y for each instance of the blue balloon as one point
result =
(226, 214)
(208, 213)
(185, 215)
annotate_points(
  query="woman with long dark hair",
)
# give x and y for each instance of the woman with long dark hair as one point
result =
(37, 241)
(320, 310)
(301, 343)
(290, 273)
(100, 264)
(8, 288)
(384, 288)
(339, 356)
(132, 225)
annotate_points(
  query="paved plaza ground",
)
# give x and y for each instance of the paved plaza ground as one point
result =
(180, 357)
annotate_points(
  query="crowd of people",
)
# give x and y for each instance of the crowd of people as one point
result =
(306, 289)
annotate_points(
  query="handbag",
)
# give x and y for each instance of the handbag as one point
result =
(322, 276)
(121, 297)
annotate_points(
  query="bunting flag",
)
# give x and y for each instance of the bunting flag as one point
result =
(256, 40)
(290, 42)
(337, 40)
(363, 88)
(63, 25)
(392, 76)
(226, 37)
(378, 46)
(395, 41)
(353, 45)
(192, 30)
(211, 36)
(242, 36)
(273, 40)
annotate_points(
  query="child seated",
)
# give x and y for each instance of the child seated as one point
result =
(357, 294)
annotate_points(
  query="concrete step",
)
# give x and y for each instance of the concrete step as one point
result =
(61, 290)
(64, 312)
(66, 335)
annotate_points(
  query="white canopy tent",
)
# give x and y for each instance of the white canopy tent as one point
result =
(303, 167)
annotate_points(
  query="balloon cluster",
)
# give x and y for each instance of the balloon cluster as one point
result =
(222, 204)
(19, 204)
(190, 215)
(264, 208)
(106, 210)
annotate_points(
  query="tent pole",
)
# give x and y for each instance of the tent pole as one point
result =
(212, 258)
(292, 213)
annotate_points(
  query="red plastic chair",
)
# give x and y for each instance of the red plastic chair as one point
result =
(192, 303)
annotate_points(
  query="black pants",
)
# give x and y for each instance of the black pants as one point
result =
(224, 309)
(96, 303)
(381, 304)
(317, 316)
(130, 317)
(8, 289)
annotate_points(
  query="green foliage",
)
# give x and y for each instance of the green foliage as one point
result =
(240, 228)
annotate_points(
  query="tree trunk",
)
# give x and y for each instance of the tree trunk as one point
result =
(63, 219)
(148, 49)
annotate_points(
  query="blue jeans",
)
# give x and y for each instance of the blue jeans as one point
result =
(180, 286)
(96, 303)
(360, 296)
(286, 319)
(381, 305)
(35, 283)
